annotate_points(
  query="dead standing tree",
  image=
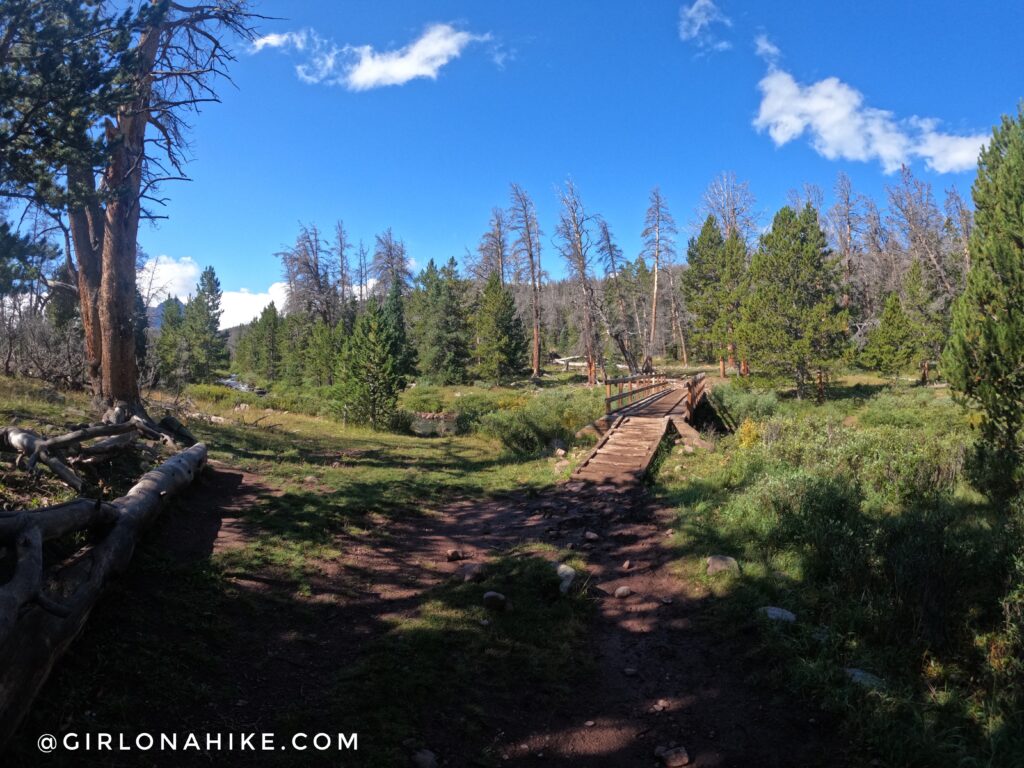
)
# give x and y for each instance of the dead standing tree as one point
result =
(574, 235)
(526, 249)
(659, 248)
(175, 55)
(617, 330)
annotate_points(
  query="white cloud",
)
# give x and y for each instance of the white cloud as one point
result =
(360, 68)
(696, 23)
(839, 125)
(438, 45)
(766, 49)
(296, 40)
(165, 276)
(243, 306)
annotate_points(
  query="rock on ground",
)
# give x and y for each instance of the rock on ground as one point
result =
(722, 563)
(623, 592)
(865, 679)
(566, 575)
(673, 758)
(495, 601)
(777, 614)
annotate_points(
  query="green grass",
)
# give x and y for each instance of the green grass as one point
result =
(167, 644)
(856, 515)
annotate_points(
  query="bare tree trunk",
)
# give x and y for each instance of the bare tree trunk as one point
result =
(87, 230)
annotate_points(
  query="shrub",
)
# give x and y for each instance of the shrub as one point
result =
(740, 403)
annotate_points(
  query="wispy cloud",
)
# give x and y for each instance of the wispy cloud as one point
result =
(839, 124)
(296, 40)
(766, 49)
(361, 68)
(697, 23)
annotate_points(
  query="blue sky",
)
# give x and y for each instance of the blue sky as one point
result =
(418, 115)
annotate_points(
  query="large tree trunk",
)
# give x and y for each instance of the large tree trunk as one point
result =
(87, 231)
(120, 373)
(36, 628)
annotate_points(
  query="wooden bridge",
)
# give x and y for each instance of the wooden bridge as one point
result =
(642, 410)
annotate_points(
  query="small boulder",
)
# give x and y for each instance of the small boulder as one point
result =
(777, 614)
(471, 572)
(675, 758)
(864, 679)
(566, 575)
(424, 758)
(623, 592)
(560, 453)
(495, 601)
(722, 564)
(242, 407)
(454, 555)
(591, 536)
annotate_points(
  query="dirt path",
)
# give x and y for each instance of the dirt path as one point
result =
(660, 680)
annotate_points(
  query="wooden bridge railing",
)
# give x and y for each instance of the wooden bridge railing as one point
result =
(632, 389)
(695, 388)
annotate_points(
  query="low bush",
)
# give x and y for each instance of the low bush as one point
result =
(547, 416)
(741, 403)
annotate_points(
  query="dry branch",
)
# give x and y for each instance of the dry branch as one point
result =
(42, 613)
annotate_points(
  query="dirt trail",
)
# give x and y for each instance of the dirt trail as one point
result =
(660, 680)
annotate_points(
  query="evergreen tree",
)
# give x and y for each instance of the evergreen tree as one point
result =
(394, 324)
(368, 380)
(322, 352)
(440, 327)
(207, 346)
(170, 344)
(985, 354)
(791, 322)
(928, 324)
(700, 285)
(501, 343)
(893, 344)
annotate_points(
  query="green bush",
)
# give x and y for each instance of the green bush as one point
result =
(741, 403)
(547, 416)
(423, 399)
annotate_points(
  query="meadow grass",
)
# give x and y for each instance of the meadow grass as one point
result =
(856, 515)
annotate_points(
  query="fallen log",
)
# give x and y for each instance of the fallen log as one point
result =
(40, 613)
(34, 448)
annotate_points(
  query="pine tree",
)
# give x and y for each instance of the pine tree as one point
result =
(893, 344)
(927, 324)
(171, 349)
(714, 286)
(368, 380)
(791, 322)
(322, 353)
(394, 324)
(501, 345)
(440, 328)
(984, 357)
(207, 346)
